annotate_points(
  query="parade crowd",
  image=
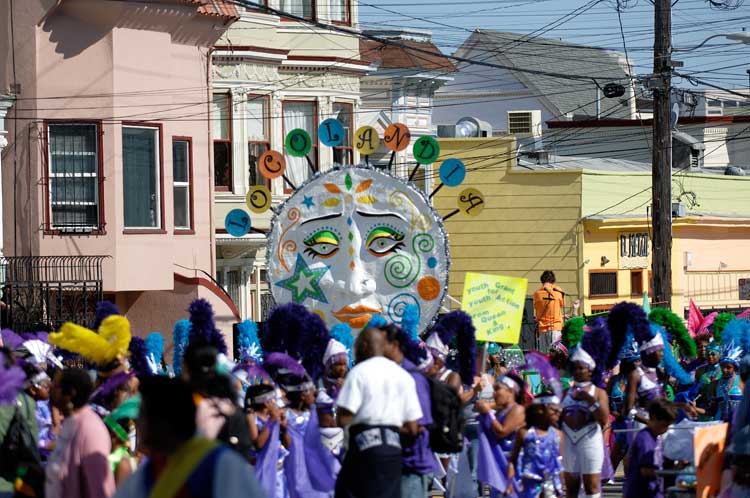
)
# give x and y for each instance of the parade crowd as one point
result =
(307, 412)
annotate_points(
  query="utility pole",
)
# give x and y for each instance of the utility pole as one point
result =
(661, 204)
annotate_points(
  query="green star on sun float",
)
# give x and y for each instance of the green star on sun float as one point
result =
(305, 282)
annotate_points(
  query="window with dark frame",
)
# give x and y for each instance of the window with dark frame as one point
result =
(182, 176)
(141, 176)
(340, 12)
(299, 8)
(636, 283)
(258, 125)
(344, 153)
(602, 283)
(73, 175)
(221, 116)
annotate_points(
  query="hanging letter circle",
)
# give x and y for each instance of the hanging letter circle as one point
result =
(298, 143)
(397, 137)
(271, 164)
(366, 140)
(452, 172)
(237, 223)
(470, 202)
(331, 132)
(258, 199)
(426, 150)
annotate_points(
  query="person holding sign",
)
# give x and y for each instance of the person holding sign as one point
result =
(549, 301)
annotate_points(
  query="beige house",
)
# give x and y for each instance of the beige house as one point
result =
(272, 75)
(107, 177)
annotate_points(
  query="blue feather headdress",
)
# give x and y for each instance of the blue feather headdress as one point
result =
(204, 326)
(376, 321)
(410, 321)
(343, 334)
(294, 330)
(671, 365)
(155, 349)
(735, 339)
(248, 342)
(181, 337)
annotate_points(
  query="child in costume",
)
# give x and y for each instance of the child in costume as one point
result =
(534, 461)
(641, 480)
(705, 376)
(267, 429)
(585, 411)
(727, 390)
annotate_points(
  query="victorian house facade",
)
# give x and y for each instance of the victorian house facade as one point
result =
(271, 75)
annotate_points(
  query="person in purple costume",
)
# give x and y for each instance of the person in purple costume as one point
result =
(641, 480)
(534, 460)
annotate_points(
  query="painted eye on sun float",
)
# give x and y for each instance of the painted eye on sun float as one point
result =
(322, 244)
(384, 240)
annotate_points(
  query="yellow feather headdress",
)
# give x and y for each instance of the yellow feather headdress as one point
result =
(110, 343)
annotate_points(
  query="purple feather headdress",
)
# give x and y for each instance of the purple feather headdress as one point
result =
(41, 336)
(251, 374)
(459, 325)
(204, 326)
(549, 374)
(12, 381)
(138, 360)
(597, 343)
(281, 363)
(103, 310)
(11, 340)
(111, 385)
(294, 330)
(626, 318)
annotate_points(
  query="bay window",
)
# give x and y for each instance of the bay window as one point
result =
(182, 174)
(141, 174)
(258, 135)
(73, 176)
(221, 121)
(302, 115)
(344, 153)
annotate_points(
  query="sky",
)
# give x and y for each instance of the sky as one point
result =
(589, 22)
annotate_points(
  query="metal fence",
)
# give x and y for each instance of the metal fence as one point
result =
(46, 291)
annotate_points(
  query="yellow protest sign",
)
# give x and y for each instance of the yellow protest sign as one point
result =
(495, 304)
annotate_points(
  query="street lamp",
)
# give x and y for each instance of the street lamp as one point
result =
(740, 36)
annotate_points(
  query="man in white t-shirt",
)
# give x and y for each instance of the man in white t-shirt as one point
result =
(378, 404)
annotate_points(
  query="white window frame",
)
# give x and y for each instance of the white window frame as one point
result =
(183, 185)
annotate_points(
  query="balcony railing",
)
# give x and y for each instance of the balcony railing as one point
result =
(46, 291)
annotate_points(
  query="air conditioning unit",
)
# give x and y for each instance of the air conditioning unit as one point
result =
(446, 131)
(466, 127)
(525, 123)
(678, 210)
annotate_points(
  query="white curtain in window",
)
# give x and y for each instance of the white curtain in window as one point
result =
(256, 129)
(220, 116)
(338, 10)
(302, 8)
(298, 115)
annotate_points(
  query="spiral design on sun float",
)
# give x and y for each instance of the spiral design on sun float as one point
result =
(398, 304)
(400, 271)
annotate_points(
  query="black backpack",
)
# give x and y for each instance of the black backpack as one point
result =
(19, 451)
(235, 433)
(446, 432)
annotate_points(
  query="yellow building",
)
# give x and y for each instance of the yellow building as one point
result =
(586, 220)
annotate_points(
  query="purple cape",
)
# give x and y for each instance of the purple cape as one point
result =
(492, 466)
(322, 466)
(267, 461)
(296, 465)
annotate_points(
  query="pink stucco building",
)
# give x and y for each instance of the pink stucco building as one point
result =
(109, 148)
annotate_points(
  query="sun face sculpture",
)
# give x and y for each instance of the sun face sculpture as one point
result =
(356, 241)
